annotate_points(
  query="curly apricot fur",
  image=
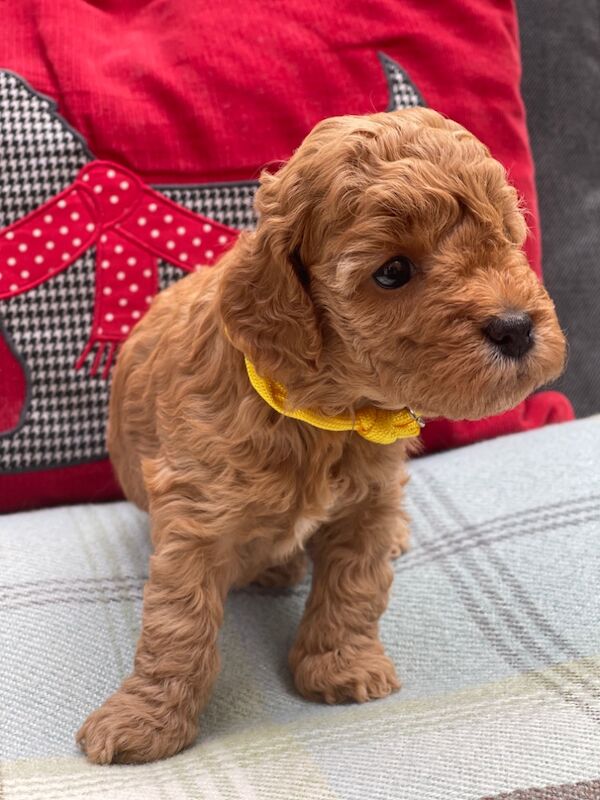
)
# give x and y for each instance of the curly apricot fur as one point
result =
(235, 490)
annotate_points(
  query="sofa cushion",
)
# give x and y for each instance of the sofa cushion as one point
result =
(561, 86)
(197, 103)
(492, 623)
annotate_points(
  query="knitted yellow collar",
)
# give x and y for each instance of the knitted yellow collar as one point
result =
(374, 424)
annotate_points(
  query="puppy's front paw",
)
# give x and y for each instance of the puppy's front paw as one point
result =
(132, 728)
(348, 673)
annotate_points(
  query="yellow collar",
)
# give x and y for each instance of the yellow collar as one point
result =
(374, 424)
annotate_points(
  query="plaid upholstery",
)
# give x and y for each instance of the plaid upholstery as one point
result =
(493, 625)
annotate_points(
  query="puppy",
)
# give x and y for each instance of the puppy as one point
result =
(386, 273)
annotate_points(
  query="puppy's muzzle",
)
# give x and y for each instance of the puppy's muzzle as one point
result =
(511, 334)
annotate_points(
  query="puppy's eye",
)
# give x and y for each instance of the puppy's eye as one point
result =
(394, 273)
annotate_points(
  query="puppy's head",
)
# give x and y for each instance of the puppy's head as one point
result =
(387, 266)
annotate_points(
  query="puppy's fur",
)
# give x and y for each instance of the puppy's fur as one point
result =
(237, 492)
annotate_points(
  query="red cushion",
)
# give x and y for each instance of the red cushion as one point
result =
(180, 95)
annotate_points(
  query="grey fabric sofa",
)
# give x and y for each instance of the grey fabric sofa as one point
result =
(494, 615)
(560, 44)
(492, 623)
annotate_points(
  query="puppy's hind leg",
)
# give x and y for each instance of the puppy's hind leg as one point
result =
(155, 712)
(282, 576)
(400, 535)
(400, 524)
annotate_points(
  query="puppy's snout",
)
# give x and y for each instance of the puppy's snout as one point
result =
(510, 333)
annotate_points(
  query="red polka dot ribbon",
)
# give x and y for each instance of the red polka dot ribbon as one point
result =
(131, 225)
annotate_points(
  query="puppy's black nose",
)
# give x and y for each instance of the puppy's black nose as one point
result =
(510, 333)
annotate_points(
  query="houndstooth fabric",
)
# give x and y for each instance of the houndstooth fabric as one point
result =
(229, 203)
(65, 419)
(48, 327)
(67, 409)
(403, 92)
(39, 154)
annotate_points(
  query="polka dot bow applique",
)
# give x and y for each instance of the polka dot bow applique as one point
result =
(131, 226)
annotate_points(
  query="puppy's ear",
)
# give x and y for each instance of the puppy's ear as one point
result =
(265, 296)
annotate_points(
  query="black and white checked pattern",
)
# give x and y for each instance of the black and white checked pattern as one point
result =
(229, 203)
(403, 92)
(65, 422)
(39, 154)
(49, 327)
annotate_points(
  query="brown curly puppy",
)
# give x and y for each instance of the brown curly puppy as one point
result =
(386, 270)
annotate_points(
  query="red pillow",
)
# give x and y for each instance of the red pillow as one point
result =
(196, 102)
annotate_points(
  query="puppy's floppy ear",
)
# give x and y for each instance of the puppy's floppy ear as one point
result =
(265, 297)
